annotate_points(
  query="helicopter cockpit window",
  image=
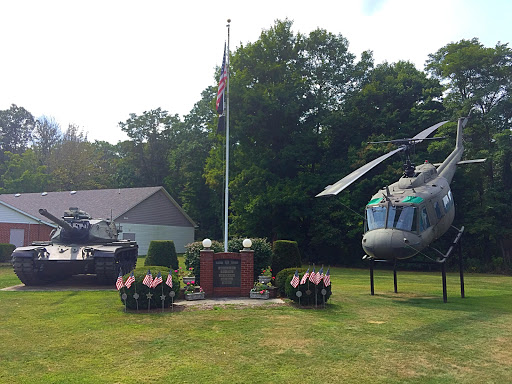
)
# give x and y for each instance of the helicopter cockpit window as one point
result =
(402, 217)
(376, 217)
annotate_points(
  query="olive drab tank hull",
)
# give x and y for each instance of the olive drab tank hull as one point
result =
(80, 245)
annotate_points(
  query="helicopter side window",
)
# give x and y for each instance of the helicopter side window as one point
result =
(402, 217)
(448, 201)
(376, 217)
(424, 221)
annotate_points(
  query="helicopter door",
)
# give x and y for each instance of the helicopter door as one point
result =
(424, 220)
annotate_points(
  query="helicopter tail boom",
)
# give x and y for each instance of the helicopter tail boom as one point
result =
(447, 167)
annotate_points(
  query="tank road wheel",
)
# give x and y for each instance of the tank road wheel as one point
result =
(26, 272)
(106, 270)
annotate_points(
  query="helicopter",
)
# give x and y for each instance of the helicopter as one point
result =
(404, 218)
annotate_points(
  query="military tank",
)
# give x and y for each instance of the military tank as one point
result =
(79, 245)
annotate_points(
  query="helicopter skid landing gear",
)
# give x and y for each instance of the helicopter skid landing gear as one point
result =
(440, 260)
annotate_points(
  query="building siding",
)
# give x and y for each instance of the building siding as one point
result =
(33, 232)
(155, 210)
(181, 236)
(9, 215)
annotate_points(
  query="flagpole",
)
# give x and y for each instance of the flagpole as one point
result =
(226, 194)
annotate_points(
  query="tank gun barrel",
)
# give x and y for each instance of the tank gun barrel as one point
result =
(56, 220)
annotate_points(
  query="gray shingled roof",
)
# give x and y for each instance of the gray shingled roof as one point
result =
(99, 203)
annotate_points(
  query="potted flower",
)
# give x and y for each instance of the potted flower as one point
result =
(186, 275)
(193, 292)
(265, 275)
(259, 291)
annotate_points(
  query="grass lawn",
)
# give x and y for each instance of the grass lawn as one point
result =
(409, 337)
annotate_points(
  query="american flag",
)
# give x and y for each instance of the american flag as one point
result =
(312, 277)
(148, 279)
(119, 281)
(319, 276)
(222, 84)
(129, 281)
(327, 278)
(295, 279)
(305, 277)
(169, 280)
(158, 280)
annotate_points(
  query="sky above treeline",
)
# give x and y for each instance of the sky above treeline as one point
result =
(92, 63)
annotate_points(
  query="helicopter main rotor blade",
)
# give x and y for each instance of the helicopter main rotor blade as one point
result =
(423, 134)
(339, 186)
(336, 188)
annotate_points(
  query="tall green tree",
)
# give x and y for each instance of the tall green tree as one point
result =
(23, 173)
(151, 134)
(284, 88)
(479, 79)
(16, 124)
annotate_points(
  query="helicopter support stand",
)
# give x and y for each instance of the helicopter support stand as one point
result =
(440, 260)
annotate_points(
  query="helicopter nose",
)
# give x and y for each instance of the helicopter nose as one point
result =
(388, 244)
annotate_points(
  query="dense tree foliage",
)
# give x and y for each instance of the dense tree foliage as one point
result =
(303, 109)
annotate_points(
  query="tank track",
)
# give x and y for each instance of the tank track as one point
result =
(107, 270)
(24, 269)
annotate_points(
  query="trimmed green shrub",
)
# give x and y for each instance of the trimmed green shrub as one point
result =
(283, 277)
(192, 255)
(309, 290)
(162, 252)
(262, 252)
(6, 252)
(286, 255)
(142, 290)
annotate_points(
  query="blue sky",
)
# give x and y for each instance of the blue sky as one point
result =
(92, 63)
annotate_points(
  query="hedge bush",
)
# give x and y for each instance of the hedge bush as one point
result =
(261, 247)
(286, 255)
(162, 253)
(262, 252)
(192, 254)
(142, 290)
(283, 277)
(6, 251)
(308, 292)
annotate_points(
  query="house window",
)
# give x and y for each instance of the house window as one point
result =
(129, 236)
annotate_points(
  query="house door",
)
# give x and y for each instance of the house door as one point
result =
(17, 237)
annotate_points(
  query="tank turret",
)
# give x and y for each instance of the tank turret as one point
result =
(77, 226)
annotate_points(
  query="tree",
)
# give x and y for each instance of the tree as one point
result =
(46, 136)
(285, 87)
(16, 125)
(76, 163)
(152, 134)
(23, 174)
(479, 79)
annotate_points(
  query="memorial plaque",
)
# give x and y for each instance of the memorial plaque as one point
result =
(226, 273)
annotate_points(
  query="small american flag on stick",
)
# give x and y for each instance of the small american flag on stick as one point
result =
(312, 277)
(119, 281)
(129, 281)
(148, 279)
(305, 277)
(327, 277)
(319, 276)
(295, 279)
(169, 280)
(158, 280)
